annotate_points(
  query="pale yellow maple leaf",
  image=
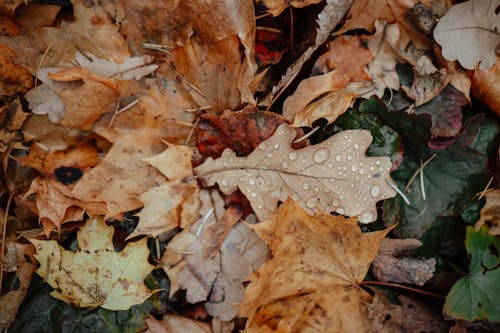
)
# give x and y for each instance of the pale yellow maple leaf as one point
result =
(312, 282)
(334, 175)
(95, 275)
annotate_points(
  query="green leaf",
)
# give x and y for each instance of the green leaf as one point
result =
(444, 237)
(476, 296)
(486, 141)
(43, 313)
(450, 180)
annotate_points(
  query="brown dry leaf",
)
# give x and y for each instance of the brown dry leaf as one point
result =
(411, 316)
(312, 281)
(459, 77)
(327, 20)
(218, 280)
(394, 263)
(276, 7)
(9, 7)
(174, 203)
(121, 176)
(172, 323)
(364, 13)
(486, 86)
(81, 74)
(13, 78)
(56, 205)
(11, 301)
(91, 30)
(62, 164)
(334, 175)
(12, 118)
(469, 33)
(36, 15)
(490, 213)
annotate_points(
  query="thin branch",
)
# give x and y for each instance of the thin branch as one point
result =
(486, 188)
(400, 286)
(415, 174)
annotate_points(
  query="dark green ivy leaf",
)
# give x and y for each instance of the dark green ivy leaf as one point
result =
(476, 296)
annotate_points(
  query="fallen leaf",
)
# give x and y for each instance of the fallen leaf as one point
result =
(218, 279)
(490, 213)
(36, 15)
(174, 203)
(486, 86)
(409, 315)
(13, 77)
(276, 7)
(394, 263)
(83, 74)
(172, 323)
(468, 33)
(332, 176)
(95, 275)
(312, 281)
(12, 119)
(473, 297)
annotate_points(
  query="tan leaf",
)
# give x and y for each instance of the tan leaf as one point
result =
(95, 275)
(410, 315)
(174, 203)
(486, 86)
(56, 205)
(334, 175)
(490, 213)
(276, 7)
(172, 323)
(312, 281)
(81, 73)
(218, 279)
(14, 78)
(469, 33)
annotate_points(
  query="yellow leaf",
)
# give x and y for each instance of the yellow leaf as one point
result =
(95, 275)
(311, 284)
(490, 213)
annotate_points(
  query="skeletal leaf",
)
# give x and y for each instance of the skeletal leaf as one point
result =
(95, 275)
(469, 33)
(334, 175)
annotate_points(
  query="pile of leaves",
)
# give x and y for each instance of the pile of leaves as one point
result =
(256, 166)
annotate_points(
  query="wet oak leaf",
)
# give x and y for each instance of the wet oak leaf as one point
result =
(334, 175)
(95, 275)
(312, 281)
(469, 33)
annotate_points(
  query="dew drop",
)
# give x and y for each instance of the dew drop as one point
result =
(284, 165)
(269, 155)
(356, 146)
(330, 165)
(241, 179)
(366, 217)
(321, 155)
(375, 191)
(311, 202)
(349, 158)
(338, 158)
(335, 202)
(251, 181)
(305, 186)
(293, 156)
(340, 210)
(269, 182)
(361, 171)
(377, 162)
(326, 190)
(354, 168)
(262, 146)
(253, 195)
(276, 146)
(224, 182)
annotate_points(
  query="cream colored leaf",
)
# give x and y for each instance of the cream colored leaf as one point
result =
(490, 213)
(469, 33)
(174, 203)
(276, 7)
(95, 275)
(334, 175)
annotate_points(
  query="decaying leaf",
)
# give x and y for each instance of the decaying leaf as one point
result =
(276, 7)
(486, 86)
(95, 275)
(312, 281)
(172, 323)
(469, 33)
(334, 175)
(214, 268)
(394, 263)
(13, 78)
(174, 203)
(490, 213)
(411, 315)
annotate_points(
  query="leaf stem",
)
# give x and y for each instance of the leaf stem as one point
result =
(400, 286)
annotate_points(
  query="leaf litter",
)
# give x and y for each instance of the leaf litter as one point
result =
(223, 143)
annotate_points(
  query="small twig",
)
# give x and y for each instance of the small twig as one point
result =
(269, 29)
(398, 191)
(201, 108)
(422, 186)
(261, 16)
(158, 82)
(400, 286)
(486, 188)
(41, 62)
(412, 178)
(188, 138)
(204, 221)
(157, 246)
(125, 108)
(291, 29)
(305, 136)
(157, 47)
(5, 217)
